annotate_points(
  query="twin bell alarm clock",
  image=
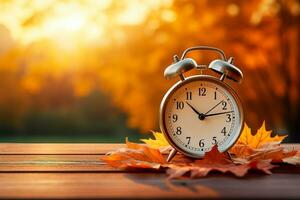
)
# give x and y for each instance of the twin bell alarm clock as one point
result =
(201, 111)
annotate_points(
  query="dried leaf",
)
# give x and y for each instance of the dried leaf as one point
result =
(135, 156)
(262, 165)
(216, 161)
(259, 146)
(214, 157)
(275, 153)
(293, 160)
(241, 150)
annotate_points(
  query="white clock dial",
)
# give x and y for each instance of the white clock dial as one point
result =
(200, 113)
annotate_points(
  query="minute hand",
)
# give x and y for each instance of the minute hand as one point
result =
(218, 113)
(213, 108)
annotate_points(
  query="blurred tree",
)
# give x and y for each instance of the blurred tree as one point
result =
(262, 35)
(66, 50)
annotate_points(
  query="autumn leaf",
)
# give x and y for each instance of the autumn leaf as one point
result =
(275, 153)
(294, 160)
(216, 161)
(241, 150)
(159, 142)
(262, 146)
(259, 139)
(248, 144)
(135, 156)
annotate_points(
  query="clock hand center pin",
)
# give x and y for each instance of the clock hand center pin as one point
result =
(201, 116)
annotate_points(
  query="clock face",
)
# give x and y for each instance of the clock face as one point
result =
(200, 112)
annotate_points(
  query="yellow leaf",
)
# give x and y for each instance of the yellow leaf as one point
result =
(157, 143)
(261, 138)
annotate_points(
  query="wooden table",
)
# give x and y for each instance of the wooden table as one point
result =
(76, 171)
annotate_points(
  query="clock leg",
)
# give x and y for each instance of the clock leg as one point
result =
(229, 156)
(171, 155)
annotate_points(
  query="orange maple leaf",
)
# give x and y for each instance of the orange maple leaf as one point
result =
(135, 156)
(216, 161)
(248, 144)
(262, 146)
(294, 160)
(275, 153)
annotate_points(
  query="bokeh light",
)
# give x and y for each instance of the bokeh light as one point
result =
(96, 67)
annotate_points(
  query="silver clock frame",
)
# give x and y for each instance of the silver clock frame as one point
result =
(180, 84)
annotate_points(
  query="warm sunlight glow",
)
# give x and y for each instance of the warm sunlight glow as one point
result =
(84, 21)
(54, 53)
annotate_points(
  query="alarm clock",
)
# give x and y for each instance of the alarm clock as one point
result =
(201, 111)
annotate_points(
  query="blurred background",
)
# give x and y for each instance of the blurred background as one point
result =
(92, 71)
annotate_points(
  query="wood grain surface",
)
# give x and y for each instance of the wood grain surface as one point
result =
(76, 171)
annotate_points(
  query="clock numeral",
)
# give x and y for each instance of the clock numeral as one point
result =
(175, 117)
(179, 105)
(188, 140)
(201, 143)
(224, 104)
(188, 95)
(178, 130)
(224, 131)
(215, 95)
(202, 91)
(228, 118)
(214, 140)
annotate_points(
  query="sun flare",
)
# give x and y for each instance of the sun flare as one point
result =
(62, 21)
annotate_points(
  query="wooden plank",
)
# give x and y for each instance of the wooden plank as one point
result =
(75, 163)
(61, 148)
(55, 163)
(66, 162)
(58, 163)
(141, 186)
(57, 148)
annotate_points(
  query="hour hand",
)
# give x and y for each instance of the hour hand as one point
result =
(194, 109)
